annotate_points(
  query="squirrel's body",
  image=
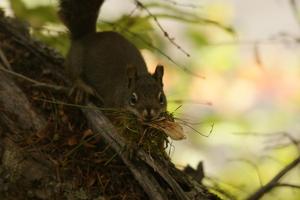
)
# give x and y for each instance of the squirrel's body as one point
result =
(108, 64)
(85, 51)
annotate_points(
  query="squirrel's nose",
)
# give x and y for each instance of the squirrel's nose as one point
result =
(148, 114)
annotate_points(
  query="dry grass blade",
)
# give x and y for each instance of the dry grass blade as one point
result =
(172, 129)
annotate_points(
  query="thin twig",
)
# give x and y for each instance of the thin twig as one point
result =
(6, 67)
(78, 105)
(293, 4)
(268, 41)
(4, 60)
(253, 165)
(34, 82)
(216, 186)
(166, 34)
(190, 126)
(274, 181)
(182, 4)
(282, 144)
(294, 141)
(287, 185)
(133, 11)
(193, 19)
(219, 181)
(27, 44)
(184, 68)
(188, 101)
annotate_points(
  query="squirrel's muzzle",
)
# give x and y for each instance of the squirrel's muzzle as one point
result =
(149, 114)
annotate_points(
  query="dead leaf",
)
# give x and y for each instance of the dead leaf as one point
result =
(87, 133)
(172, 129)
(72, 141)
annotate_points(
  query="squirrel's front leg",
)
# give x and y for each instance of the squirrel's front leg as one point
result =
(81, 91)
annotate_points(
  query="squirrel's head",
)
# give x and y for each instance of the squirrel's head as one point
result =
(146, 98)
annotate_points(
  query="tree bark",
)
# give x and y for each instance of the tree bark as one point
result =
(37, 137)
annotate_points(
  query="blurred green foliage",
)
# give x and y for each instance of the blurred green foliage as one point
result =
(37, 16)
(138, 28)
(42, 20)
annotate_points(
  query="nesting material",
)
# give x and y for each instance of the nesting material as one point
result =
(173, 129)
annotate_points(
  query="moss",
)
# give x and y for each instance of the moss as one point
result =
(138, 133)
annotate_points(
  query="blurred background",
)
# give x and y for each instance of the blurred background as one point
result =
(232, 79)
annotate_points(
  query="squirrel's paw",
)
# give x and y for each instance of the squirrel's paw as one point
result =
(82, 91)
(78, 95)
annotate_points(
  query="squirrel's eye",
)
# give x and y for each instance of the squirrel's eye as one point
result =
(133, 99)
(161, 98)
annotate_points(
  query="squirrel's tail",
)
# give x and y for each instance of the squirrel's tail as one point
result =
(80, 16)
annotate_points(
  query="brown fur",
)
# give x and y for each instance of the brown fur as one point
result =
(111, 65)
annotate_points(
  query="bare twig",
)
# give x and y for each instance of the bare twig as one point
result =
(293, 4)
(259, 134)
(193, 19)
(287, 185)
(166, 34)
(182, 4)
(34, 82)
(253, 165)
(268, 41)
(232, 186)
(184, 68)
(4, 60)
(217, 187)
(282, 144)
(190, 126)
(6, 67)
(188, 101)
(274, 181)
(294, 141)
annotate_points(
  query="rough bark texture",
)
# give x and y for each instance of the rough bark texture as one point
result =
(44, 150)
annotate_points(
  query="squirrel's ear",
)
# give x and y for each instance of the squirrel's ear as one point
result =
(158, 74)
(131, 75)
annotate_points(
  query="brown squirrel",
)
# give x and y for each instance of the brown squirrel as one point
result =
(106, 64)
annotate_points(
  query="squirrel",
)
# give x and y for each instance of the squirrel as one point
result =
(107, 65)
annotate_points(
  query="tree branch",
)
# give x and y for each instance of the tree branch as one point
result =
(287, 185)
(293, 5)
(166, 34)
(274, 181)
